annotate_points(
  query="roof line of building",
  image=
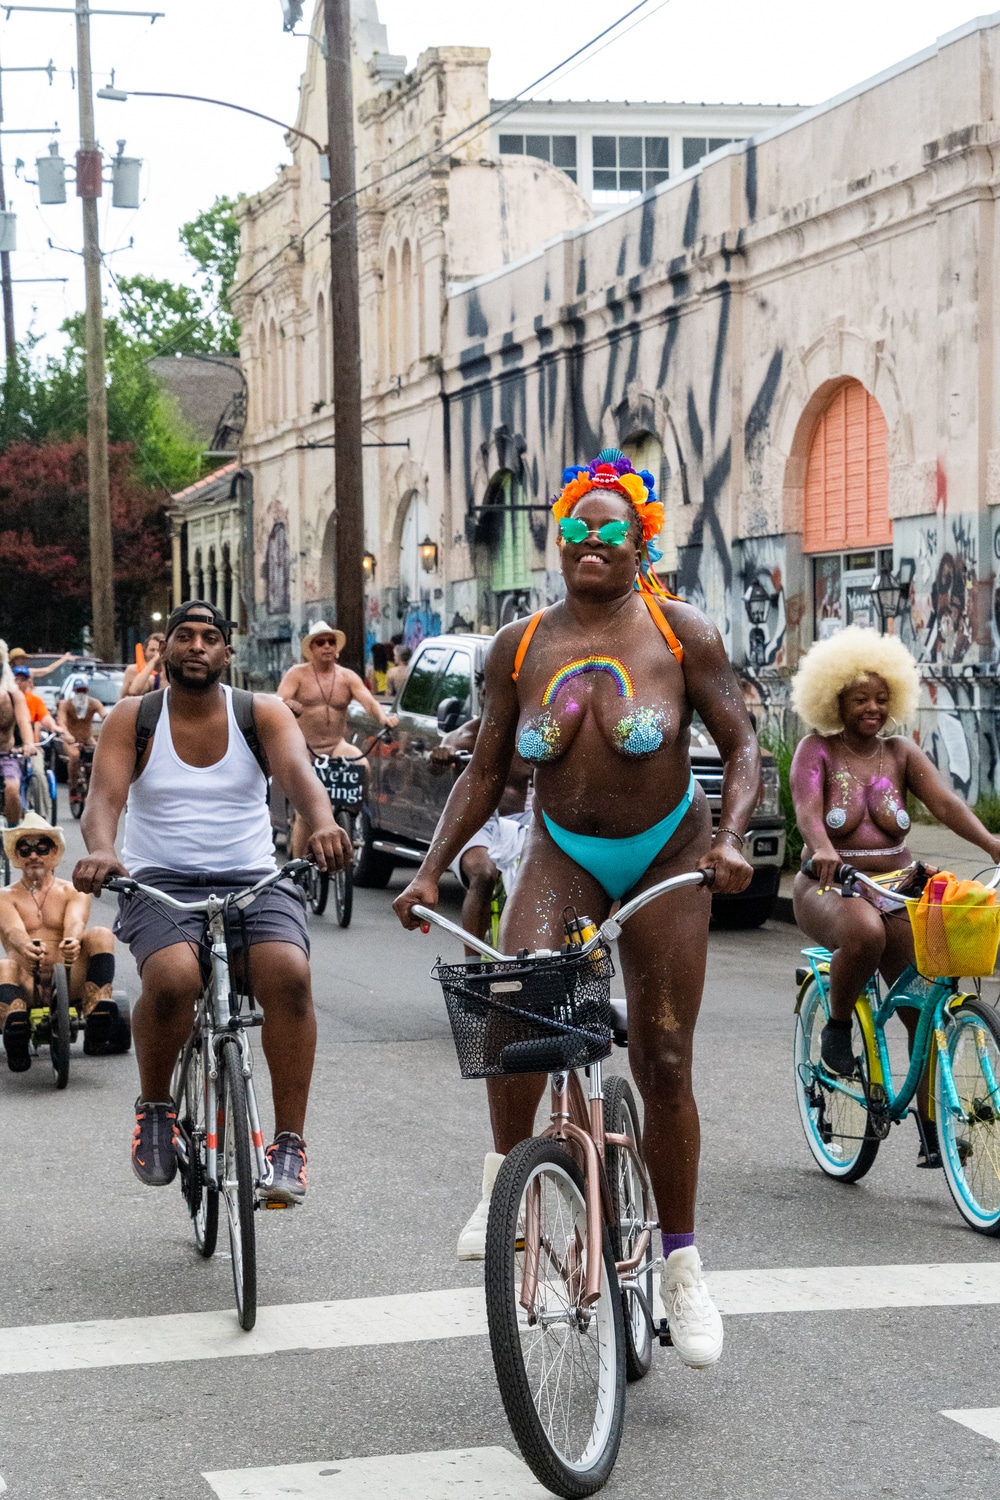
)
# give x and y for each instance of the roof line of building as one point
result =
(200, 484)
(652, 103)
(978, 23)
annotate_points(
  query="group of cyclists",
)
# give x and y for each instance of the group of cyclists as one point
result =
(582, 745)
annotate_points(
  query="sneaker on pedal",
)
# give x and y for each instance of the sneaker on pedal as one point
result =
(17, 1038)
(287, 1155)
(154, 1143)
(836, 1052)
(472, 1240)
(692, 1317)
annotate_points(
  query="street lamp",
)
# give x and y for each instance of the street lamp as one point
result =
(291, 14)
(885, 595)
(428, 554)
(757, 602)
(368, 565)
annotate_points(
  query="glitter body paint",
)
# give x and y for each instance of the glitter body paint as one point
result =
(610, 664)
(853, 806)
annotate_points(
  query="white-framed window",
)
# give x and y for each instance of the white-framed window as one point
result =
(694, 147)
(560, 150)
(842, 584)
(625, 165)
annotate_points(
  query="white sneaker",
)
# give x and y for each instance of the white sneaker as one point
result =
(472, 1240)
(692, 1317)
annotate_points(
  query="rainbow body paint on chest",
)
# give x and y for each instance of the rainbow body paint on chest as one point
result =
(583, 664)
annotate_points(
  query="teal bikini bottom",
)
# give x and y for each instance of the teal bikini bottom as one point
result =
(619, 863)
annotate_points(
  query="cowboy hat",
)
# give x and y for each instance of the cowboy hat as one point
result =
(31, 823)
(322, 628)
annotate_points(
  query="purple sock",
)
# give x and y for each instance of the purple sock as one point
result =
(676, 1242)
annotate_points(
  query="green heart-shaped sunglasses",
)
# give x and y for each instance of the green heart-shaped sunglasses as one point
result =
(612, 533)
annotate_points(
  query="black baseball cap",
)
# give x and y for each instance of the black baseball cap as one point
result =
(195, 610)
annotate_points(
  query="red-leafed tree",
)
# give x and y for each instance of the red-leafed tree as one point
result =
(44, 541)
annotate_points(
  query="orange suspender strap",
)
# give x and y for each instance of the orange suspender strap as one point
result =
(524, 643)
(662, 625)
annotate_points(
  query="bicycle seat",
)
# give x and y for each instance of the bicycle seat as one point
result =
(619, 1023)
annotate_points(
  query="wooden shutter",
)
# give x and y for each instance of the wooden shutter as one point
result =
(847, 475)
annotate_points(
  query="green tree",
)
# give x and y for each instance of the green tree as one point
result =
(212, 239)
(165, 315)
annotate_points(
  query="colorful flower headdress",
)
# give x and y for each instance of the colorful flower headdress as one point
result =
(611, 470)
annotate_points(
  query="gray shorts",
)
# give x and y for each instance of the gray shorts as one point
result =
(277, 916)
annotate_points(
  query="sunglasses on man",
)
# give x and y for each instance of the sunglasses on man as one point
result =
(24, 848)
(612, 533)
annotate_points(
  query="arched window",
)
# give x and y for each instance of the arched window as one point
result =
(277, 581)
(227, 582)
(322, 379)
(213, 578)
(646, 452)
(198, 576)
(413, 581)
(406, 308)
(510, 570)
(418, 281)
(274, 376)
(327, 560)
(392, 314)
(847, 475)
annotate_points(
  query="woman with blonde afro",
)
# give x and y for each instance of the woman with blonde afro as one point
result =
(849, 783)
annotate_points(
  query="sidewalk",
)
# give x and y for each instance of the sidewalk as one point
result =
(933, 843)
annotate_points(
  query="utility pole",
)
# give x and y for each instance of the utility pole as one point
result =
(346, 321)
(89, 169)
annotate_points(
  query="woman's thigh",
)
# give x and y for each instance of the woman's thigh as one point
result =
(663, 949)
(547, 882)
(832, 920)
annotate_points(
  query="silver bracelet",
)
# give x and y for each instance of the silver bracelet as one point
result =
(732, 833)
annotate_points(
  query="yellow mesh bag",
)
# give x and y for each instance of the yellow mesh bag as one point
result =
(956, 928)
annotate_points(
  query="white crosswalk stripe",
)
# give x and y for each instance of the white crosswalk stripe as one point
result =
(485, 1473)
(982, 1419)
(460, 1313)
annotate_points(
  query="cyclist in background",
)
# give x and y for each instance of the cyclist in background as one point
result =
(43, 921)
(319, 693)
(15, 722)
(146, 679)
(42, 721)
(75, 717)
(197, 799)
(849, 784)
(396, 675)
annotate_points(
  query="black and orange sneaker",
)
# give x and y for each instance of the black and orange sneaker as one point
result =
(287, 1155)
(17, 1039)
(154, 1144)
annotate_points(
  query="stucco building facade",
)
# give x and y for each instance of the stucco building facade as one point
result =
(798, 334)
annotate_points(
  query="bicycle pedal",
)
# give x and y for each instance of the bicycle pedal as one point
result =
(663, 1334)
(267, 1203)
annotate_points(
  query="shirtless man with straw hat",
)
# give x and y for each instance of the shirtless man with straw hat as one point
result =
(319, 693)
(43, 921)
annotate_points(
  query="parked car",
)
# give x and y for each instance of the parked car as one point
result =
(406, 796)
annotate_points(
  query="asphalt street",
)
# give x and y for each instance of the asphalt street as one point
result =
(839, 1402)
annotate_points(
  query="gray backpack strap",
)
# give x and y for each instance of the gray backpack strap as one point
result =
(146, 720)
(244, 716)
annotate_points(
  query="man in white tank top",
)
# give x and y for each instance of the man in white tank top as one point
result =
(197, 820)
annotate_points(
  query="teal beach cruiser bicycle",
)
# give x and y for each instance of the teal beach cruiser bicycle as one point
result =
(956, 1045)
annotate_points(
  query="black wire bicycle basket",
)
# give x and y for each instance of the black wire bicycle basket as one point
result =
(529, 1015)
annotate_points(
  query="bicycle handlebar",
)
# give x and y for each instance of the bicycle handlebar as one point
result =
(607, 932)
(845, 875)
(129, 887)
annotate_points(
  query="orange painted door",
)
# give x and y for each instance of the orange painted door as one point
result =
(847, 475)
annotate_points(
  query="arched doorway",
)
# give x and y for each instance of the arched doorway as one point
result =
(846, 525)
(413, 581)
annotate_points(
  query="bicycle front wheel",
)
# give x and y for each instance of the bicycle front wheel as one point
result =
(343, 880)
(560, 1365)
(632, 1210)
(237, 1184)
(318, 889)
(59, 1027)
(200, 1195)
(970, 1146)
(835, 1122)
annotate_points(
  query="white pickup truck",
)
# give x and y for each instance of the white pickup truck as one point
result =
(405, 795)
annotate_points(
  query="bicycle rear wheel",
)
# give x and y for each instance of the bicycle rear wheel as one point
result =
(970, 1147)
(59, 1026)
(560, 1366)
(237, 1183)
(632, 1210)
(343, 880)
(200, 1195)
(836, 1125)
